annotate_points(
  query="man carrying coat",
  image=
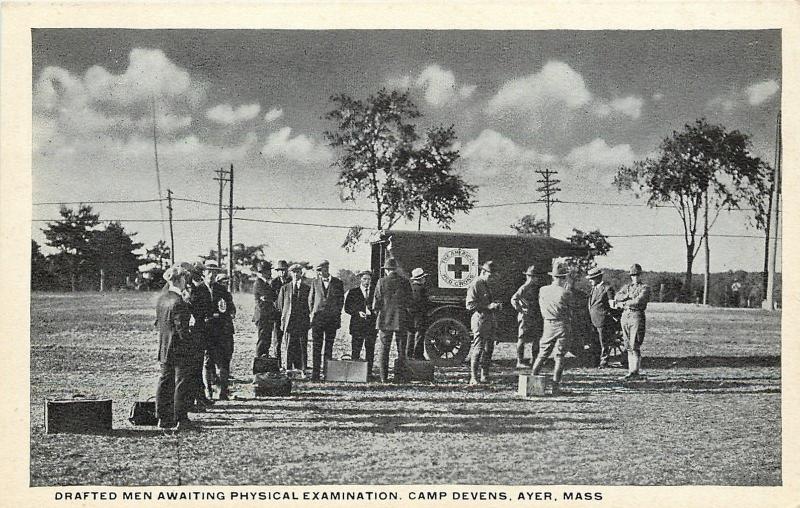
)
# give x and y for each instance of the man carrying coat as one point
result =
(293, 306)
(601, 299)
(325, 300)
(391, 302)
(358, 304)
(264, 311)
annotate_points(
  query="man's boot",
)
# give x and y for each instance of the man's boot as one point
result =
(484, 375)
(473, 370)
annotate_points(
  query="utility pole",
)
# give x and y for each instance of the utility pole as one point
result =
(765, 274)
(230, 233)
(708, 253)
(548, 190)
(171, 233)
(222, 178)
(769, 300)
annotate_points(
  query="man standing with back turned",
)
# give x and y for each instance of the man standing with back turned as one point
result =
(391, 302)
(633, 298)
(554, 306)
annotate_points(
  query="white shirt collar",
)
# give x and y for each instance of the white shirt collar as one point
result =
(176, 291)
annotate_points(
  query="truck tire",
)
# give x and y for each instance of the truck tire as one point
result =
(447, 340)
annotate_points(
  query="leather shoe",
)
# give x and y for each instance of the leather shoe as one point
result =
(630, 376)
(223, 395)
(166, 424)
(186, 425)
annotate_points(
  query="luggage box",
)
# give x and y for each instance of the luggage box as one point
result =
(534, 386)
(270, 384)
(77, 415)
(413, 370)
(262, 364)
(350, 371)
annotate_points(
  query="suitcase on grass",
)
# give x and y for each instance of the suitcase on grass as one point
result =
(143, 412)
(77, 415)
(346, 369)
(533, 386)
(271, 384)
(263, 364)
(413, 370)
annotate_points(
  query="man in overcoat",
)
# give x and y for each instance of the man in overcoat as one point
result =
(282, 277)
(325, 301)
(200, 306)
(264, 311)
(418, 315)
(293, 306)
(482, 304)
(358, 305)
(391, 302)
(601, 300)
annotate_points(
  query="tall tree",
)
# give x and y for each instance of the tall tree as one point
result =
(113, 254)
(159, 253)
(530, 225)
(704, 161)
(72, 236)
(380, 158)
(595, 243)
(39, 272)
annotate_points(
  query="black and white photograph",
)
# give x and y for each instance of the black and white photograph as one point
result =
(358, 258)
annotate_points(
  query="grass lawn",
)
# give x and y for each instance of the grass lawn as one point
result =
(708, 412)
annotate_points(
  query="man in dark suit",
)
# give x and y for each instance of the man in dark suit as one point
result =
(177, 353)
(200, 306)
(219, 324)
(391, 302)
(601, 299)
(325, 302)
(293, 306)
(418, 315)
(277, 283)
(358, 304)
(264, 311)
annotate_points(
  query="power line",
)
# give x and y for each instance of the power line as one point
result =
(113, 201)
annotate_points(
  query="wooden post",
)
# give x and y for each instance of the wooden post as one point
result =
(102, 280)
(171, 232)
(769, 297)
(230, 235)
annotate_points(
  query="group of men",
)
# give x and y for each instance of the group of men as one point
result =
(545, 316)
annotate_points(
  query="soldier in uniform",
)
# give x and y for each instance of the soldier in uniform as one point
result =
(282, 278)
(526, 302)
(293, 306)
(220, 333)
(601, 300)
(325, 301)
(358, 304)
(391, 302)
(555, 310)
(177, 352)
(264, 311)
(418, 314)
(481, 303)
(633, 298)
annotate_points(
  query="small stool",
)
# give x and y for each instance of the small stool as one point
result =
(534, 386)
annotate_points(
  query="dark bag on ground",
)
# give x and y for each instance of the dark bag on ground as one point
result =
(346, 369)
(413, 370)
(262, 364)
(271, 384)
(143, 412)
(77, 415)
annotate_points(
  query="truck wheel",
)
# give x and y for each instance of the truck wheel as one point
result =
(447, 341)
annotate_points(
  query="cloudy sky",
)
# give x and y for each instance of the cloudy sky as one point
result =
(581, 103)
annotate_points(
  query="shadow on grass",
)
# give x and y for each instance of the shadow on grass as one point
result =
(680, 385)
(699, 362)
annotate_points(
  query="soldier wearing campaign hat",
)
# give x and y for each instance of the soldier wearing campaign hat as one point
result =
(526, 302)
(601, 300)
(555, 310)
(633, 298)
(482, 304)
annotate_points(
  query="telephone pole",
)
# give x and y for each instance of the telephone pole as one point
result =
(230, 232)
(222, 178)
(766, 274)
(171, 233)
(769, 298)
(548, 190)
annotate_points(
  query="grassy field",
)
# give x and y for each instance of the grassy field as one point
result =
(707, 413)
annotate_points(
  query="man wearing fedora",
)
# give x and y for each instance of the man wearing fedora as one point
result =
(526, 302)
(325, 301)
(481, 303)
(293, 306)
(264, 311)
(554, 307)
(601, 300)
(282, 278)
(358, 305)
(200, 305)
(391, 301)
(633, 298)
(418, 314)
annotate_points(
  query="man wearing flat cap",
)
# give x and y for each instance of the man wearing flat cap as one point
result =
(325, 301)
(633, 298)
(481, 303)
(264, 311)
(554, 307)
(601, 300)
(293, 306)
(526, 302)
(282, 277)
(418, 315)
(358, 305)
(219, 327)
(391, 302)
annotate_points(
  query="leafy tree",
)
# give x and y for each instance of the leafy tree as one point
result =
(596, 244)
(381, 158)
(530, 225)
(72, 236)
(160, 254)
(702, 167)
(113, 254)
(39, 268)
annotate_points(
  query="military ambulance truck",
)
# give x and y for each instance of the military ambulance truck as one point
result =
(452, 261)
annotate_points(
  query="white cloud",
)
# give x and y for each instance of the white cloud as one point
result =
(466, 90)
(760, 92)
(722, 103)
(555, 83)
(439, 85)
(492, 155)
(658, 96)
(226, 114)
(399, 83)
(598, 155)
(629, 106)
(273, 114)
(301, 148)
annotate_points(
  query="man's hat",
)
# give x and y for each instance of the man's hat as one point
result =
(559, 269)
(363, 272)
(281, 265)
(593, 273)
(322, 263)
(530, 271)
(488, 266)
(211, 265)
(263, 265)
(221, 277)
(296, 268)
(636, 269)
(418, 274)
(390, 264)
(175, 271)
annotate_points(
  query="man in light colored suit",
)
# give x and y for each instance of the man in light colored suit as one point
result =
(391, 302)
(293, 306)
(601, 300)
(325, 301)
